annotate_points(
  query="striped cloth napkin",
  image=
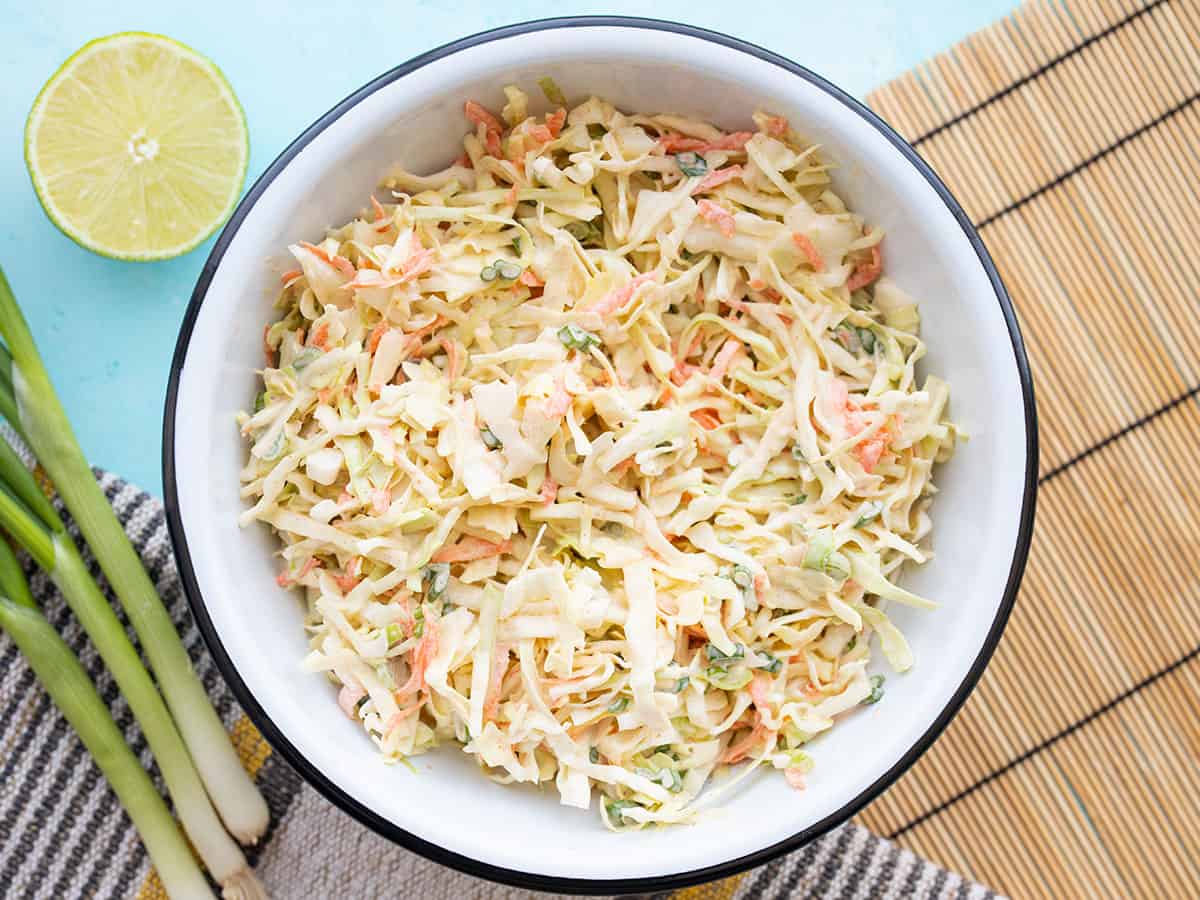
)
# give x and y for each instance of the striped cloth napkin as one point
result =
(63, 834)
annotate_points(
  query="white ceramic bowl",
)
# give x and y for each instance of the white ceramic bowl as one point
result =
(446, 810)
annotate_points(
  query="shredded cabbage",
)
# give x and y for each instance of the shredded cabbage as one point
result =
(598, 453)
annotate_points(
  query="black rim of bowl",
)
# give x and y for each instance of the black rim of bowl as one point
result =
(464, 863)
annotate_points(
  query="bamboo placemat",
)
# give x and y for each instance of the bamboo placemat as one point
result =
(1070, 132)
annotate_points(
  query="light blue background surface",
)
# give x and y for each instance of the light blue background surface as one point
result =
(107, 329)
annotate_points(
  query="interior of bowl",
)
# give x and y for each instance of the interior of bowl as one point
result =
(257, 627)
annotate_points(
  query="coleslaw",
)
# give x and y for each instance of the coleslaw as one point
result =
(598, 453)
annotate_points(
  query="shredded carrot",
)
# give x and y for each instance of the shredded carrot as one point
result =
(556, 120)
(617, 299)
(309, 564)
(422, 656)
(866, 272)
(707, 418)
(678, 143)
(511, 196)
(740, 750)
(470, 548)
(396, 720)
(380, 501)
(340, 263)
(452, 358)
(724, 358)
(719, 216)
(529, 279)
(283, 580)
(758, 691)
(289, 275)
(320, 336)
(549, 491)
(376, 336)
(346, 583)
(560, 401)
(268, 350)
(760, 585)
(416, 337)
(733, 141)
(810, 251)
(777, 126)
(491, 701)
(419, 261)
(869, 452)
(541, 133)
(491, 125)
(624, 466)
(716, 178)
(382, 222)
(794, 777)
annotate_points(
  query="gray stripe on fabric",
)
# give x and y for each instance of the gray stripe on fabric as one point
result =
(135, 861)
(26, 826)
(52, 827)
(28, 737)
(914, 877)
(86, 814)
(883, 878)
(88, 822)
(860, 877)
(938, 888)
(847, 859)
(834, 862)
(763, 877)
(810, 860)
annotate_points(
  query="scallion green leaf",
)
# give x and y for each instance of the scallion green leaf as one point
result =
(508, 270)
(552, 91)
(489, 439)
(714, 654)
(867, 338)
(306, 358)
(773, 665)
(436, 577)
(876, 691)
(720, 677)
(585, 232)
(575, 338)
(691, 164)
(869, 512)
(619, 705)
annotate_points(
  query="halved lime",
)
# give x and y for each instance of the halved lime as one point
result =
(137, 147)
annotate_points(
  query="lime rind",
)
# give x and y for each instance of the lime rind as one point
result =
(225, 91)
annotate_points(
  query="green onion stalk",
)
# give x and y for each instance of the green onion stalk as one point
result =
(68, 685)
(34, 410)
(37, 528)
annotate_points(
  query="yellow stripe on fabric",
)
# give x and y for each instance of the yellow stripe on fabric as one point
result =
(252, 748)
(152, 888)
(714, 890)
